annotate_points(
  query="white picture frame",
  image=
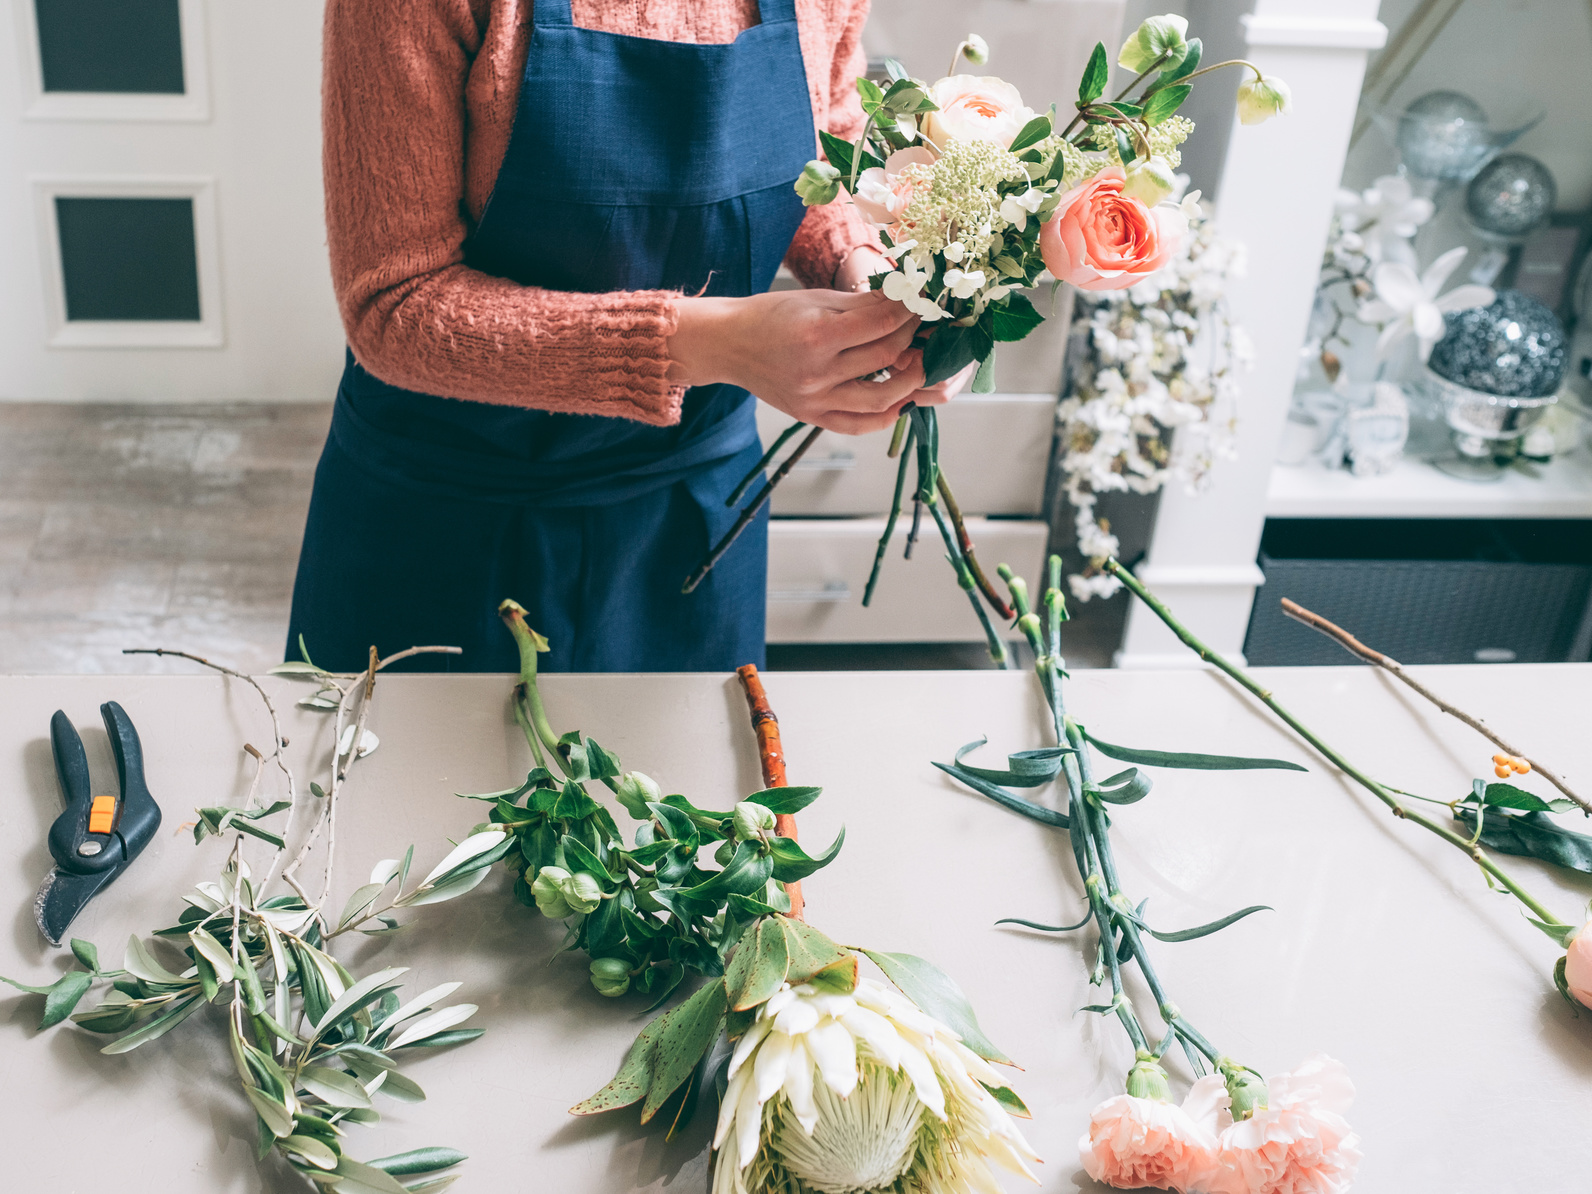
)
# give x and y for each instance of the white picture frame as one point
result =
(192, 105)
(61, 332)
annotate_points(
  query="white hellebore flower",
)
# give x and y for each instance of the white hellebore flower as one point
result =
(905, 286)
(1406, 303)
(1262, 98)
(863, 1092)
(1383, 219)
(964, 285)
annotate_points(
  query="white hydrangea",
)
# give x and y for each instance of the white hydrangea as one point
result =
(1161, 356)
(845, 1094)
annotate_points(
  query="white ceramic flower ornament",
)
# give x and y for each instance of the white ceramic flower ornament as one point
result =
(1406, 302)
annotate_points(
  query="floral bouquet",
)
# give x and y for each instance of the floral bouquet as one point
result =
(975, 196)
(827, 1079)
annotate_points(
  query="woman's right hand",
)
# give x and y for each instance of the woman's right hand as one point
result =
(802, 351)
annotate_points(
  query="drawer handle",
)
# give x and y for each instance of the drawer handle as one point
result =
(830, 594)
(835, 462)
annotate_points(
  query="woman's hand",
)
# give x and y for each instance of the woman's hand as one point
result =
(802, 351)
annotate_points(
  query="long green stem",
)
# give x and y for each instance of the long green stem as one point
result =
(997, 649)
(895, 513)
(1398, 807)
(757, 471)
(1205, 70)
(533, 716)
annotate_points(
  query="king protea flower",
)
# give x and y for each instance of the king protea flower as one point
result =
(860, 1092)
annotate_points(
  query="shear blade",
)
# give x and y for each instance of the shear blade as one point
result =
(61, 898)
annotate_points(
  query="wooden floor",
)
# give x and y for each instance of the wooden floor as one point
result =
(179, 526)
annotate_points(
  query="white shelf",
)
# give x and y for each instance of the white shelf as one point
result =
(1415, 489)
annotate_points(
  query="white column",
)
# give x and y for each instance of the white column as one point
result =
(1276, 197)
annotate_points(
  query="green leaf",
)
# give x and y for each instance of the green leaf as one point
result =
(1124, 148)
(578, 858)
(152, 1029)
(952, 348)
(936, 993)
(792, 864)
(294, 668)
(1509, 796)
(688, 1033)
(1029, 924)
(316, 1152)
(63, 997)
(895, 70)
(869, 90)
(1007, 1098)
(838, 978)
(759, 966)
(746, 873)
(1032, 133)
(1014, 319)
(85, 953)
(1125, 787)
(1206, 929)
(1093, 84)
(140, 963)
(272, 1113)
(334, 1086)
(1532, 835)
(366, 991)
(434, 1022)
(214, 952)
(1195, 762)
(1017, 804)
(1164, 103)
(363, 1179)
(44, 990)
(1026, 768)
(634, 1079)
(419, 1160)
(401, 1087)
(811, 952)
(311, 985)
(361, 900)
(785, 800)
(456, 1037)
(838, 152)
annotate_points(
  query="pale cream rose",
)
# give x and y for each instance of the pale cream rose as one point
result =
(1578, 966)
(975, 108)
(883, 192)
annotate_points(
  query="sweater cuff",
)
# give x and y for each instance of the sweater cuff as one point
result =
(823, 240)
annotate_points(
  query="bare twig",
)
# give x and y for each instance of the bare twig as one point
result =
(771, 755)
(1387, 663)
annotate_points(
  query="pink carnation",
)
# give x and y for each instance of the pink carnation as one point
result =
(1103, 239)
(1301, 1145)
(1133, 1142)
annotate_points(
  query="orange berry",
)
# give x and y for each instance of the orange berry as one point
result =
(1500, 760)
(1520, 766)
(1502, 772)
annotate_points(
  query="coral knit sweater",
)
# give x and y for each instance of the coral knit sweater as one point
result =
(419, 101)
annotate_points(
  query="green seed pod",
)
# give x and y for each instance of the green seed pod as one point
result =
(1245, 1088)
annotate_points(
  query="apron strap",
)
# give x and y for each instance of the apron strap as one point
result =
(556, 12)
(772, 12)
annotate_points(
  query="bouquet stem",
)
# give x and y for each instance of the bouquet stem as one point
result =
(771, 756)
(1548, 921)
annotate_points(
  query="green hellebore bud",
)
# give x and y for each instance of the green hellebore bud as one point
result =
(752, 819)
(581, 891)
(1149, 181)
(1147, 1080)
(1155, 37)
(975, 49)
(547, 888)
(635, 790)
(819, 184)
(1245, 1088)
(611, 976)
(1262, 98)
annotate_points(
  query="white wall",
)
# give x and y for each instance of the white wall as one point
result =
(283, 341)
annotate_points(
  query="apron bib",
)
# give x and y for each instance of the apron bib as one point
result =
(634, 164)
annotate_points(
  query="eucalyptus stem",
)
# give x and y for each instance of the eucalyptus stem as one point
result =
(1394, 804)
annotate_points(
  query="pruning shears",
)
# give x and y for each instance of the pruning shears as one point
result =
(97, 837)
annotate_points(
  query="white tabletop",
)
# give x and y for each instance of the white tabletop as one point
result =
(1386, 949)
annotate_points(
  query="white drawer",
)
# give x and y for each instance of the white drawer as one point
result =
(995, 448)
(817, 569)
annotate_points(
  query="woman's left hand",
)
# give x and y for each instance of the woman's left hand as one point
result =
(855, 270)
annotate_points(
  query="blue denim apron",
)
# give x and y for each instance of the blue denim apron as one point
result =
(634, 164)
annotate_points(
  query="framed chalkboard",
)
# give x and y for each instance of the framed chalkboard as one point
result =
(128, 258)
(129, 47)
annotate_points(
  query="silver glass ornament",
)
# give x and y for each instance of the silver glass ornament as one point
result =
(1443, 134)
(1511, 197)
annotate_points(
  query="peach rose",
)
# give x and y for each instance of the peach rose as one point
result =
(1133, 1142)
(975, 108)
(1578, 966)
(1103, 239)
(1301, 1144)
(883, 194)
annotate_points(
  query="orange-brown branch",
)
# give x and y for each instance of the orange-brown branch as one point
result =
(771, 754)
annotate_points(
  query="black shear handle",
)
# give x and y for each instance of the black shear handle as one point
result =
(139, 815)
